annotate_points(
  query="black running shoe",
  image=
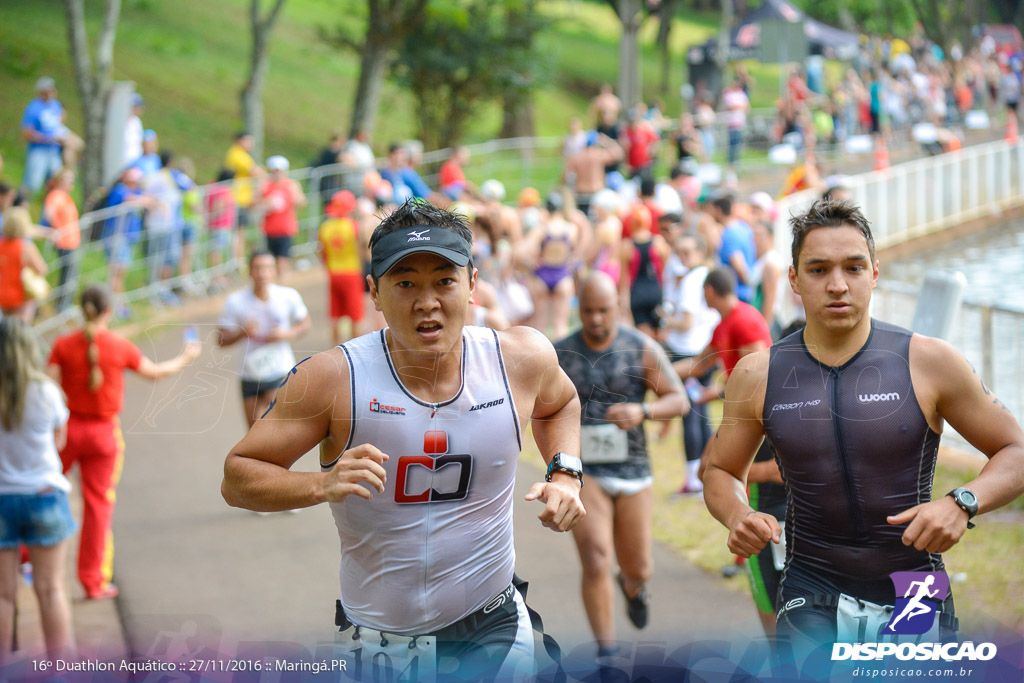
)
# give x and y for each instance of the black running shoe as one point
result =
(636, 607)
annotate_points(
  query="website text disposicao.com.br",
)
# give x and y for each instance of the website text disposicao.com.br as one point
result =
(905, 672)
(946, 660)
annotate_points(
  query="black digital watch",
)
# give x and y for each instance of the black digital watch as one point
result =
(563, 462)
(967, 501)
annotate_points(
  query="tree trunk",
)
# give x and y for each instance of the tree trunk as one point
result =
(93, 85)
(629, 58)
(665, 13)
(251, 96)
(725, 32)
(373, 63)
(517, 118)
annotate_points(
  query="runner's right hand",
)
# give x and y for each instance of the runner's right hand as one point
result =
(752, 533)
(362, 464)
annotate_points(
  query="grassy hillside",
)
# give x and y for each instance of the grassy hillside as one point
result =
(188, 59)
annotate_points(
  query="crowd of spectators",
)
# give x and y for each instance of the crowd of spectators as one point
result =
(157, 209)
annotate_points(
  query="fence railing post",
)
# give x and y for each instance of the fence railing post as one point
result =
(988, 374)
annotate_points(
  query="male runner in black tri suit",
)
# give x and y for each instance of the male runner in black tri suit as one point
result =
(853, 408)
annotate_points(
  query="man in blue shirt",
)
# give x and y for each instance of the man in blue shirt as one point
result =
(737, 251)
(122, 231)
(405, 182)
(150, 162)
(43, 127)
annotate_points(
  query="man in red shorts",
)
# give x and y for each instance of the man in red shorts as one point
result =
(339, 249)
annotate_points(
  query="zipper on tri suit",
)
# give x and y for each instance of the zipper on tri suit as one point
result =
(840, 447)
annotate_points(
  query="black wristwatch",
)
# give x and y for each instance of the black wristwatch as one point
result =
(563, 462)
(968, 502)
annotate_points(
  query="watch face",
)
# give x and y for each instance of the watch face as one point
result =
(968, 498)
(570, 462)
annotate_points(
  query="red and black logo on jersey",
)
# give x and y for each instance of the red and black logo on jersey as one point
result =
(435, 457)
(378, 407)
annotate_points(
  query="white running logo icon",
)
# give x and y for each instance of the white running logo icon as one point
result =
(417, 236)
(914, 608)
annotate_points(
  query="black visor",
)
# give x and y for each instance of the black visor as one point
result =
(396, 245)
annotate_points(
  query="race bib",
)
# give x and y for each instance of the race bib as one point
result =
(267, 361)
(603, 444)
(377, 657)
(860, 621)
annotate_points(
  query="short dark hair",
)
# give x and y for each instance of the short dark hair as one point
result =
(723, 203)
(242, 134)
(225, 174)
(826, 213)
(416, 212)
(261, 252)
(166, 157)
(646, 185)
(722, 281)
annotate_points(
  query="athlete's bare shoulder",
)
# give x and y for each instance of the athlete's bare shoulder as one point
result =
(317, 384)
(938, 369)
(526, 346)
(748, 383)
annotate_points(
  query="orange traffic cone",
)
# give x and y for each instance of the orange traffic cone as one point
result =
(1011, 129)
(881, 154)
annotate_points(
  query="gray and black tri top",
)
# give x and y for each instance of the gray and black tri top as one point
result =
(854, 447)
(602, 379)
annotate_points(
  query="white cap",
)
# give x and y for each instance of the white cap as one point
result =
(492, 189)
(606, 199)
(277, 163)
(762, 200)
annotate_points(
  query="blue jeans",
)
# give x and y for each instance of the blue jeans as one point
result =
(41, 162)
(697, 425)
(35, 519)
(735, 142)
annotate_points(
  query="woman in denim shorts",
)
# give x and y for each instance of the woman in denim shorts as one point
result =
(34, 507)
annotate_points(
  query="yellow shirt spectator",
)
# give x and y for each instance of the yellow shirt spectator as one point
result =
(340, 240)
(239, 161)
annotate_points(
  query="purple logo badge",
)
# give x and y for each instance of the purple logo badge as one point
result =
(918, 598)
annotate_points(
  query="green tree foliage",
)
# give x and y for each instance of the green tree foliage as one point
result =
(881, 17)
(465, 54)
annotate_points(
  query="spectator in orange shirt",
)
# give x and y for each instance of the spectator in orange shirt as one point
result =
(17, 251)
(90, 365)
(804, 176)
(61, 214)
(339, 250)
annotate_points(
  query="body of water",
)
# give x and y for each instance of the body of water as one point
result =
(992, 260)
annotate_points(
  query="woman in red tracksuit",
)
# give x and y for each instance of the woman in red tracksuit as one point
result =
(90, 364)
